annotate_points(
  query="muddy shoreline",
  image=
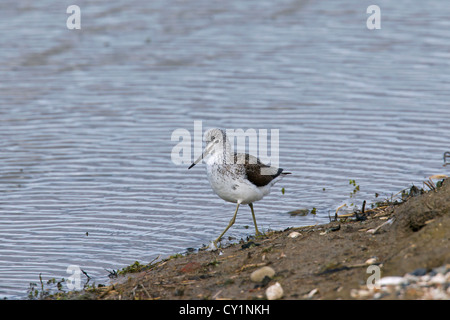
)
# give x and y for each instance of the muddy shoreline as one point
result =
(329, 261)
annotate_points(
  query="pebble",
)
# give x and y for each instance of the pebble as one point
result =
(312, 293)
(418, 284)
(442, 269)
(294, 234)
(360, 294)
(419, 272)
(274, 292)
(392, 281)
(261, 273)
(438, 279)
(371, 261)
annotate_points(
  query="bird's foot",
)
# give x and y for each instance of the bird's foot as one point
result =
(213, 245)
(259, 234)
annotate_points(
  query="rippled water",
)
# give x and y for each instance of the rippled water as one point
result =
(86, 118)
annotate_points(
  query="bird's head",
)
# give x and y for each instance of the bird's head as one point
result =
(215, 140)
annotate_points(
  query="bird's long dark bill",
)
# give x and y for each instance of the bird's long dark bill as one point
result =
(205, 152)
(193, 164)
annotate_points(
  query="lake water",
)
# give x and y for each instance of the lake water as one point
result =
(86, 118)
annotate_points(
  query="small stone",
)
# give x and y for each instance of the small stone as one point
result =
(261, 273)
(411, 278)
(360, 294)
(419, 272)
(364, 294)
(392, 281)
(442, 269)
(312, 293)
(354, 293)
(438, 279)
(190, 267)
(274, 292)
(371, 261)
(435, 294)
(294, 234)
(425, 278)
(377, 295)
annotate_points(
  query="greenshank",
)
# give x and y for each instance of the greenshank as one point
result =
(236, 177)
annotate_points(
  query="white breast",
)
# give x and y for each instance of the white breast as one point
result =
(232, 186)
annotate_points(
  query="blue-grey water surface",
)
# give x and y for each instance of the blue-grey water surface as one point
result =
(86, 118)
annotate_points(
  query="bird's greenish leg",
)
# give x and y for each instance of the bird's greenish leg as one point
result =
(254, 219)
(229, 225)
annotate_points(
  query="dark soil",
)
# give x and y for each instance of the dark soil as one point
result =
(332, 258)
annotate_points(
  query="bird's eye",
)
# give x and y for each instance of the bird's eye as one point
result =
(212, 138)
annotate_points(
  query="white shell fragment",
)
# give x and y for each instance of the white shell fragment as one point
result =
(392, 281)
(419, 284)
(312, 293)
(371, 260)
(294, 234)
(274, 292)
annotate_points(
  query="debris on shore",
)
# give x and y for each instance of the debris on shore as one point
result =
(406, 241)
(419, 284)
